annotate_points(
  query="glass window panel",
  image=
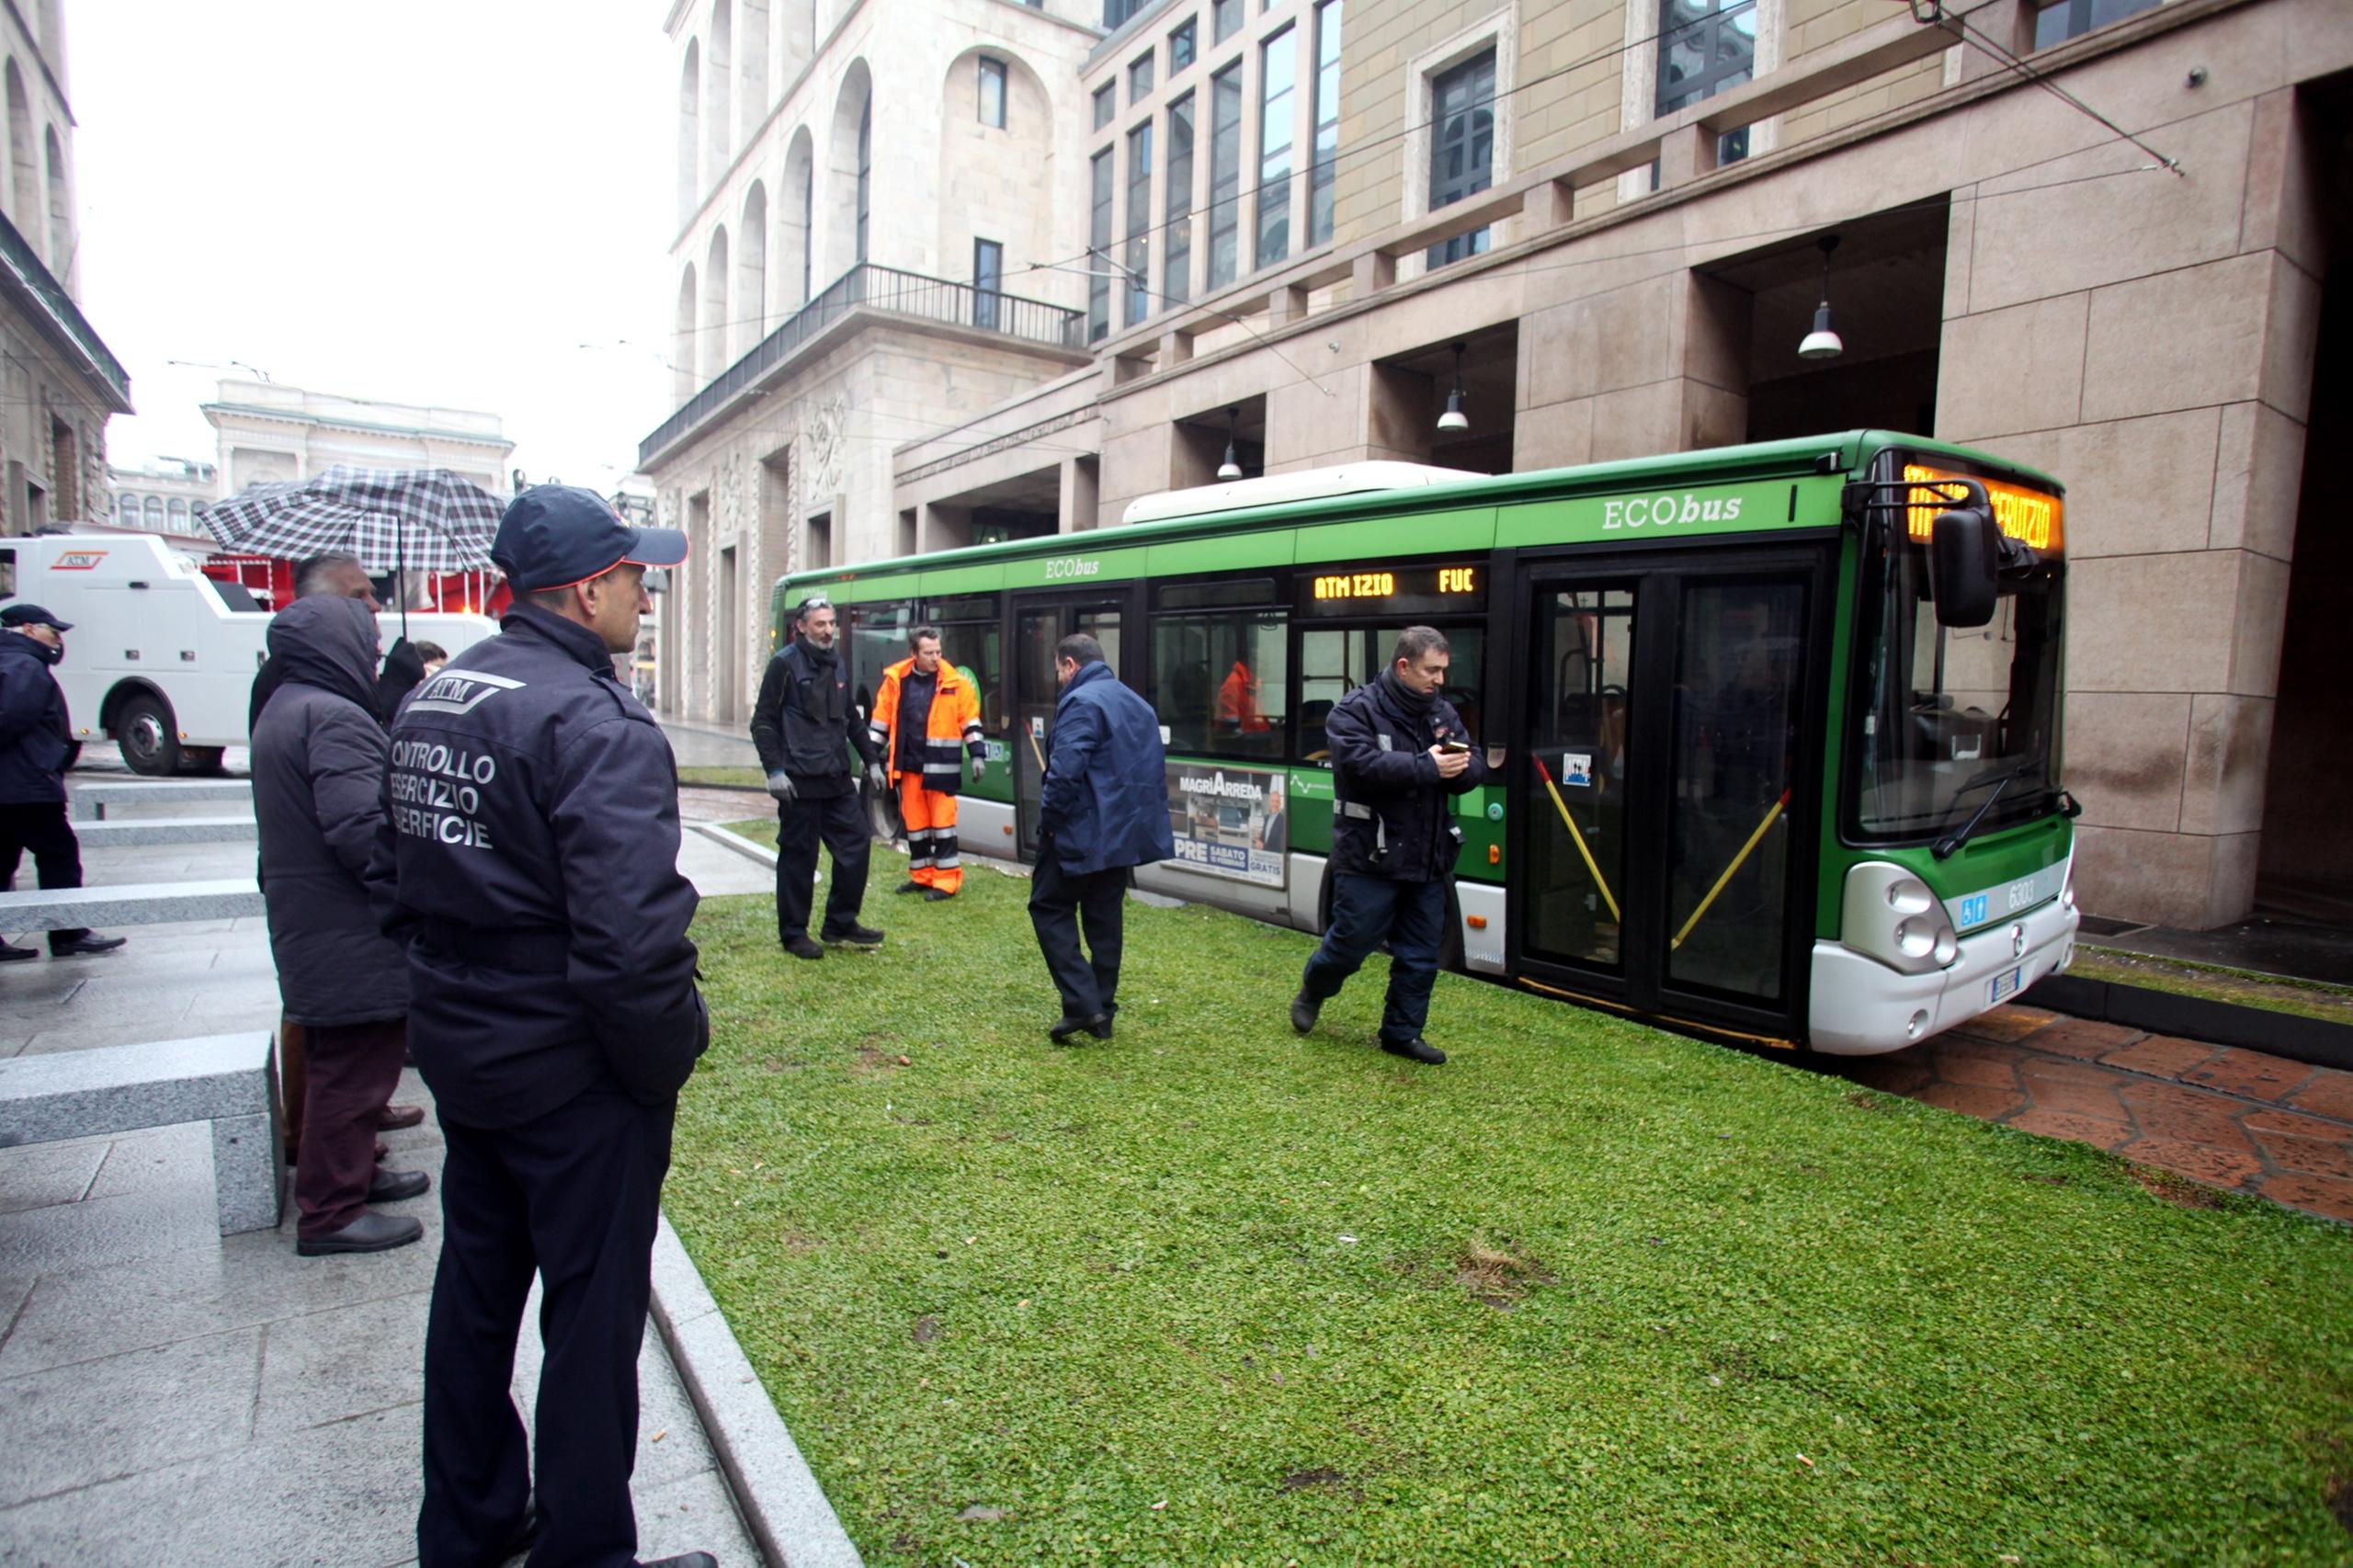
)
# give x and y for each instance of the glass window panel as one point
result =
(1139, 77)
(988, 282)
(1219, 680)
(1738, 663)
(1107, 104)
(1226, 175)
(1705, 48)
(1322, 180)
(1580, 725)
(1180, 46)
(1176, 262)
(1277, 73)
(1139, 258)
(1463, 144)
(1225, 20)
(992, 93)
(1098, 285)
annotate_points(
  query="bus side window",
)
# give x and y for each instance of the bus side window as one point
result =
(1223, 679)
(7, 574)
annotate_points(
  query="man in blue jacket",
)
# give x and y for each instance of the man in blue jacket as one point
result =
(36, 747)
(527, 864)
(1103, 811)
(1400, 755)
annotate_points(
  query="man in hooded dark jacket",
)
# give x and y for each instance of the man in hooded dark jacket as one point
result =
(1400, 754)
(318, 766)
(36, 747)
(805, 727)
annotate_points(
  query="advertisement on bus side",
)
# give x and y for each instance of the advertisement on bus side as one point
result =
(1229, 822)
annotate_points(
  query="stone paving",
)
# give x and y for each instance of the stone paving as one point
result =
(2228, 1118)
(169, 1395)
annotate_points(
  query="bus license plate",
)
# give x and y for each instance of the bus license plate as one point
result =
(2007, 983)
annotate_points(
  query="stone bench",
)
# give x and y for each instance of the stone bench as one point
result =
(132, 903)
(229, 1080)
(143, 831)
(91, 800)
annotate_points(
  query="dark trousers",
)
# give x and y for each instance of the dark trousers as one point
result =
(41, 827)
(350, 1073)
(840, 821)
(1366, 911)
(1059, 900)
(575, 1195)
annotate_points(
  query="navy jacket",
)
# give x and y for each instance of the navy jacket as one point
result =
(318, 765)
(528, 864)
(1105, 800)
(801, 728)
(1394, 817)
(36, 741)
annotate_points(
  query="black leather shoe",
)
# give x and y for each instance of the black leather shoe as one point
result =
(1415, 1050)
(1098, 1025)
(93, 943)
(801, 947)
(369, 1232)
(1304, 1011)
(685, 1559)
(908, 886)
(10, 955)
(863, 935)
(936, 895)
(392, 1186)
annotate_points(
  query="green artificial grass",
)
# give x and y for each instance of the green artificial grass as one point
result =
(725, 777)
(1216, 1293)
(2272, 993)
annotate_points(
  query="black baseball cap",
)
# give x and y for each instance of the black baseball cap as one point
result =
(32, 615)
(555, 534)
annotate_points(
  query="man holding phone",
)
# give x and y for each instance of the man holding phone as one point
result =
(1399, 755)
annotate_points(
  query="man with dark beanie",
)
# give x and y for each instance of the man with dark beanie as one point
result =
(1399, 755)
(805, 728)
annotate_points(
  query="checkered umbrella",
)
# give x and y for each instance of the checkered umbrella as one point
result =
(392, 519)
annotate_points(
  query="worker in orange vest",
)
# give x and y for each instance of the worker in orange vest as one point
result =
(926, 711)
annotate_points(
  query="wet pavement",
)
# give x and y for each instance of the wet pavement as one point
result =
(2231, 1118)
(2264, 946)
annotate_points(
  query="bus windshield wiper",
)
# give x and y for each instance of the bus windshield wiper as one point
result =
(2000, 778)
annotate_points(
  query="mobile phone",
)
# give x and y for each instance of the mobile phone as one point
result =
(1456, 748)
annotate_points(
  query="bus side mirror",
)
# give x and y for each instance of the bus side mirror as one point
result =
(1964, 564)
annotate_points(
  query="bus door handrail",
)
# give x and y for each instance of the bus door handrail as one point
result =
(1578, 838)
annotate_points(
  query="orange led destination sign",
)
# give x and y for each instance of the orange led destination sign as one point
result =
(1410, 588)
(2030, 517)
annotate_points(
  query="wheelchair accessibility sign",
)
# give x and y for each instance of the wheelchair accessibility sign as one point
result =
(1576, 767)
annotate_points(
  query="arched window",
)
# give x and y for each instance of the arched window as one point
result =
(690, 134)
(752, 272)
(154, 512)
(752, 81)
(177, 508)
(682, 338)
(61, 208)
(849, 175)
(865, 172)
(796, 206)
(713, 336)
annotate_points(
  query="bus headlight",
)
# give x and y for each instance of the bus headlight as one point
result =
(1891, 916)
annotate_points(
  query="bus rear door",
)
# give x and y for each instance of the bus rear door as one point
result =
(1039, 621)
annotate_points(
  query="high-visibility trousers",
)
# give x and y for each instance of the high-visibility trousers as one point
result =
(930, 818)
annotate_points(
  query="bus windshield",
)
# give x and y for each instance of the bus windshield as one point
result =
(1954, 714)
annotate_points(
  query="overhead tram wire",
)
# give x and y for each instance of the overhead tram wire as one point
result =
(1959, 25)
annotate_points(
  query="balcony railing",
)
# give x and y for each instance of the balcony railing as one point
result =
(884, 288)
(70, 325)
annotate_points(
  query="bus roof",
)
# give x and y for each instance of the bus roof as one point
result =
(1274, 489)
(1238, 509)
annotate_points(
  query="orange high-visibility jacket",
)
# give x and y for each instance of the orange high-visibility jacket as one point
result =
(955, 722)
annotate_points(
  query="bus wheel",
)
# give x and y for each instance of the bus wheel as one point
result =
(149, 740)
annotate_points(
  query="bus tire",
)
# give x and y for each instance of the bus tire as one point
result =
(148, 735)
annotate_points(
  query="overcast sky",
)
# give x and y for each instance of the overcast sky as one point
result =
(433, 202)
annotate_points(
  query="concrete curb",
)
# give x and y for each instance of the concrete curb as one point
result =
(784, 1506)
(735, 841)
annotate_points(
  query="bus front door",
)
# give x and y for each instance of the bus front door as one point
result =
(1039, 623)
(1663, 784)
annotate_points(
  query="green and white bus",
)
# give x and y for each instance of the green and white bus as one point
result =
(1777, 726)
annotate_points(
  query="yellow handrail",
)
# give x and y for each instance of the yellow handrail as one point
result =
(1571, 822)
(1737, 861)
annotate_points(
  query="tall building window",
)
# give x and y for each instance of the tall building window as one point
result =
(1099, 240)
(865, 172)
(1107, 104)
(2073, 19)
(992, 92)
(808, 218)
(1326, 111)
(1139, 78)
(1463, 146)
(1704, 47)
(1139, 262)
(1225, 20)
(1180, 46)
(1226, 175)
(1277, 77)
(988, 282)
(1177, 248)
(1116, 12)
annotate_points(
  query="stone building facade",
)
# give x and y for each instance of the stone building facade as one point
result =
(61, 382)
(272, 432)
(2102, 236)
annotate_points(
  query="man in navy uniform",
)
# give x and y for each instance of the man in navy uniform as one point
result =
(805, 727)
(528, 863)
